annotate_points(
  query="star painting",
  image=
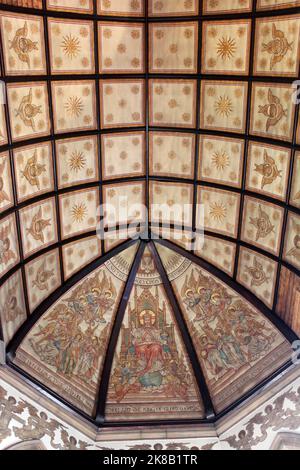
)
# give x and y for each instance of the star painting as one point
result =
(226, 47)
(71, 46)
(221, 209)
(79, 212)
(223, 105)
(74, 106)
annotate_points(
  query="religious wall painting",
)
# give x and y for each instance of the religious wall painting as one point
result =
(171, 8)
(236, 345)
(123, 155)
(172, 154)
(295, 192)
(78, 212)
(173, 47)
(71, 46)
(221, 160)
(77, 161)
(125, 203)
(122, 103)
(42, 277)
(173, 103)
(228, 6)
(223, 105)
(9, 247)
(268, 170)
(121, 47)
(29, 110)
(277, 46)
(272, 111)
(258, 274)
(66, 348)
(33, 170)
(12, 306)
(23, 44)
(76, 255)
(151, 374)
(76, 6)
(221, 210)
(292, 240)
(262, 224)
(38, 226)
(121, 7)
(226, 47)
(171, 203)
(6, 192)
(74, 106)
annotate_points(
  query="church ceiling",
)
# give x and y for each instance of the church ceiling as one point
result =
(136, 104)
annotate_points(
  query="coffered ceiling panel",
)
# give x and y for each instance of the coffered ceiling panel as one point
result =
(162, 114)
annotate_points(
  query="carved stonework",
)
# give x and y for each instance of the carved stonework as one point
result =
(274, 417)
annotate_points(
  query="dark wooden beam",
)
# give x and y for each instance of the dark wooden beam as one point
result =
(183, 330)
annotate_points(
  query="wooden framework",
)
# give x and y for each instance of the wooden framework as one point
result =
(98, 418)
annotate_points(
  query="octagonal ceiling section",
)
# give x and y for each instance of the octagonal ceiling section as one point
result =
(135, 105)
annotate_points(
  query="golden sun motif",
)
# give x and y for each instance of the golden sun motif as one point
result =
(223, 106)
(77, 161)
(71, 46)
(79, 212)
(220, 160)
(218, 212)
(226, 48)
(74, 106)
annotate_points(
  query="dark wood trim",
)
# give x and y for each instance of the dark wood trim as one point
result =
(110, 353)
(182, 327)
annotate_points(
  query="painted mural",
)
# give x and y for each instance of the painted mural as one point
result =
(151, 374)
(66, 348)
(236, 346)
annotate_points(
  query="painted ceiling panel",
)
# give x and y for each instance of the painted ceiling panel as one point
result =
(151, 377)
(235, 344)
(65, 350)
(185, 106)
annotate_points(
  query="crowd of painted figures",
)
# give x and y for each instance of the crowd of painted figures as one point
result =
(73, 337)
(227, 331)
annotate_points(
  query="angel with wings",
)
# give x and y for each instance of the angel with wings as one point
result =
(38, 425)
(70, 442)
(9, 408)
(6, 253)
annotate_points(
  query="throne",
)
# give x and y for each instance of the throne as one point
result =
(147, 301)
